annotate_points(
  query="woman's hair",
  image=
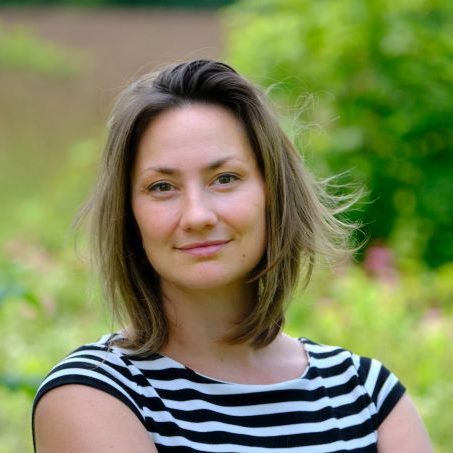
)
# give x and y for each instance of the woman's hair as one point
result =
(301, 218)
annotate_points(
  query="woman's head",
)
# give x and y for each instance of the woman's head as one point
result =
(298, 223)
(198, 200)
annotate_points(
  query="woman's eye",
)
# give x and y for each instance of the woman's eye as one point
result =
(226, 179)
(160, 187)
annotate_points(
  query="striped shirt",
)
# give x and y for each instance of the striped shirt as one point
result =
(336, 405)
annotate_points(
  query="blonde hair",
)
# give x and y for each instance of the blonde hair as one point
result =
(301, 218)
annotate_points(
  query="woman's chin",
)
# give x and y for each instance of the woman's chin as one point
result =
(205, 282)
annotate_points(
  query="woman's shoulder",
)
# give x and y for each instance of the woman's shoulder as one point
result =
(77, 392)
(382, 386)
(103, 365)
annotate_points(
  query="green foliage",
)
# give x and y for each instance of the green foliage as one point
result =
(381, 75)
(21, 51)
(15, 422)
(46, 310)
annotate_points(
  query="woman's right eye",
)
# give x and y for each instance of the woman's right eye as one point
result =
(160, 187)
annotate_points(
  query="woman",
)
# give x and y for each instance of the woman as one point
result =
(203, 220)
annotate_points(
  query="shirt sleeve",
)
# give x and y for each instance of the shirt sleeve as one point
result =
(383, 387)
(98, 367)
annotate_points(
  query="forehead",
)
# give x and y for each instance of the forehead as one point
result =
(194, 132)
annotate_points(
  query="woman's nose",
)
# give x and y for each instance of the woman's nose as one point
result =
(197, 211)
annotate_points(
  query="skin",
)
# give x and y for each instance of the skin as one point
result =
(403, 430)
(195, 180)
(77, 418)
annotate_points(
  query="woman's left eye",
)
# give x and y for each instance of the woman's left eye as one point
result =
(226, 178)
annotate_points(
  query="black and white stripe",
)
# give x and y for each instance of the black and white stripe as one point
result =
(337, 405)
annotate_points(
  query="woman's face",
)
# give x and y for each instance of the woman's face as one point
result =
(198, 198)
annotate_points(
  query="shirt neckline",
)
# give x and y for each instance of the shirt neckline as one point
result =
(303, 341)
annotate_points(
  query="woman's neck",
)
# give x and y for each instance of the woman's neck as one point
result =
(199, 321)
(205, 316)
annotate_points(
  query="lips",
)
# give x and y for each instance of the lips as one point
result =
(203, 249)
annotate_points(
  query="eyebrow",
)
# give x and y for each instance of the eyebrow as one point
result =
(171, 171)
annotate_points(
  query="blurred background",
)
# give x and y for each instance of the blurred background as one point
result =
(363, 88)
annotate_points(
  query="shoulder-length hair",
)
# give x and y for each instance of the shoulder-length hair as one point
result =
(301, 219)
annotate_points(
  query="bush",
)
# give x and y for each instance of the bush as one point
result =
(380, 73)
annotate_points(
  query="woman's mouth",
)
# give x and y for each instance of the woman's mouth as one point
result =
(203, 249)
